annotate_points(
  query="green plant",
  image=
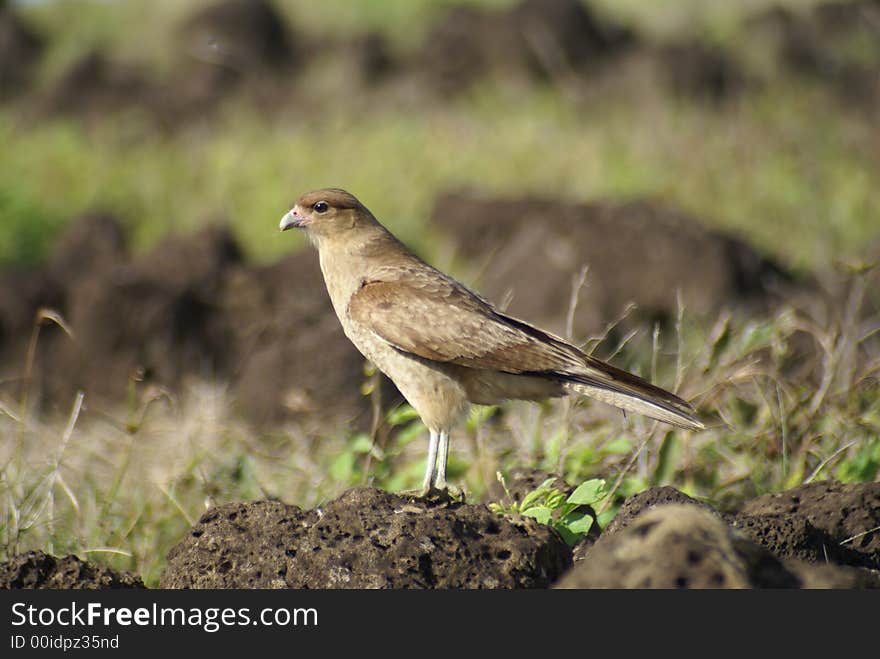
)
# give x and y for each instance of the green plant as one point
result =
(551, 506)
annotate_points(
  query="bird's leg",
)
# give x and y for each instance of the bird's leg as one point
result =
(431, 466)
(439, 483)
(435, 487)
(439, 478)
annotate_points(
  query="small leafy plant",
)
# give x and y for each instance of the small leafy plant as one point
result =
(551, 506)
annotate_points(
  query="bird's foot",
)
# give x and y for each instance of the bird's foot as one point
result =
(434, 494)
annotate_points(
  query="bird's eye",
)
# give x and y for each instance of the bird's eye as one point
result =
(320, 206)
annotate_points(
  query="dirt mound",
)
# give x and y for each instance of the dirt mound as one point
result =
(648, 500)
(673, 546)
(240, 35)
(94, 85)
(697, 70)
(238, 545)
(536, 39)
(232, 46)
(837, 42)
(285, 331)
(661, 538)
(367, 539)
(685, 546)
(533, 248)
(20, 52)
(189, 308)
(156, 317)
(825, 520)
(36, 569)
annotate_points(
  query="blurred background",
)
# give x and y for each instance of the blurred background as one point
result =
(690, 188)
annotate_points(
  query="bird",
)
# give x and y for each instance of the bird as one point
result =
(443, 345)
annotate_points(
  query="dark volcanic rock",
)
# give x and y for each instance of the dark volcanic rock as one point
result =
(39, 570)
(238, 545)
(535, 247)
(372, 539)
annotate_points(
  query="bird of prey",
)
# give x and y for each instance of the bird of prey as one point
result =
(443, 345)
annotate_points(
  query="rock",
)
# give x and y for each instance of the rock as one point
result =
(237, 545)
(824, 575)
(38, 570)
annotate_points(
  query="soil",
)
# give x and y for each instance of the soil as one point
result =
(244, 48)
(820, 535)
(20, 51)
(39, 570)
(367, 539)
(531, 248)
(189, 309)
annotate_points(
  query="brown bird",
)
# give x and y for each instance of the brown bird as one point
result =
(443, 345)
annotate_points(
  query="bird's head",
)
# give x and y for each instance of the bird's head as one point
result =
(325, 213)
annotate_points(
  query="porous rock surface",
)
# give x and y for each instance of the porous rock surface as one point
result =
(39, 570)
(366, 539)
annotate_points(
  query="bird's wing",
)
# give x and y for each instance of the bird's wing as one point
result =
(438, 319)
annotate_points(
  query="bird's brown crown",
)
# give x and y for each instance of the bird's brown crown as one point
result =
(334, 197)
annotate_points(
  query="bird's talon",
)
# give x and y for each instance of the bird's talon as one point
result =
(436, 495)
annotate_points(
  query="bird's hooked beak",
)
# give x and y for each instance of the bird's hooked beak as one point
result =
(292, 220)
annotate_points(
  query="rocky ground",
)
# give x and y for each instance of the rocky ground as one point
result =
(819, 535)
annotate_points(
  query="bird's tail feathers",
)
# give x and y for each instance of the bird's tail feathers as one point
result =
(642, 398)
